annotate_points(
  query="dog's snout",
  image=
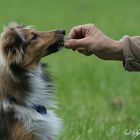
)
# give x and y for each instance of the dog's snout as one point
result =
(61, 32)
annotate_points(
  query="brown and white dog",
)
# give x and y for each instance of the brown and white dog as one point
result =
(25, 90)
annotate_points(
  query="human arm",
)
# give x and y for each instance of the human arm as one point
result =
(88, 39)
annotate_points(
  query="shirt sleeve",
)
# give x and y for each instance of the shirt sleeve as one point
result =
(131, 50)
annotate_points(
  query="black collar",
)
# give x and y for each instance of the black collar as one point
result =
(39, 108)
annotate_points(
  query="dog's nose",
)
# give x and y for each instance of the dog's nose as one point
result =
(61, 32)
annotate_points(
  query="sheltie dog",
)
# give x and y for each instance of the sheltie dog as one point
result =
(26, 100)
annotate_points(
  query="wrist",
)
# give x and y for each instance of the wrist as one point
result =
(110, 50)
(117, 51)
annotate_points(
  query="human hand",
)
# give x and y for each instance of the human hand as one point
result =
(88, 39)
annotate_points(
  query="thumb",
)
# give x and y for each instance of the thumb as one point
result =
(75, 43)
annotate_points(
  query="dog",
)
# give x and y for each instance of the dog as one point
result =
(27, 106)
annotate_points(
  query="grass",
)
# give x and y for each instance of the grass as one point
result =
(87, 88)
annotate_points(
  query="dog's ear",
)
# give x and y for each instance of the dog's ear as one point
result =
(11, 40)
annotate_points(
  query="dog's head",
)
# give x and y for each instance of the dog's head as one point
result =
(24, 46)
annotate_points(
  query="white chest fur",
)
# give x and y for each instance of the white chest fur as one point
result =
(43, 126)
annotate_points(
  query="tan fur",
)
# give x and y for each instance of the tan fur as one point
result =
(35, 49)
(18, 132)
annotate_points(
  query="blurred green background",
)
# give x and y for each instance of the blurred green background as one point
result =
(98, 100)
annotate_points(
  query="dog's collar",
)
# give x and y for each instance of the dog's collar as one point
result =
(40, 109)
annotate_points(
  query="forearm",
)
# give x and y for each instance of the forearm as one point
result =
(112, 51)
(118, 51)
(127, 50)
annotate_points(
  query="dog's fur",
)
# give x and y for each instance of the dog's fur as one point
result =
(23, 84)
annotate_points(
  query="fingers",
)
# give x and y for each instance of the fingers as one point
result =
(75, 43)
(76, 32)
(84, 51)
(72, 34)
(78, 38)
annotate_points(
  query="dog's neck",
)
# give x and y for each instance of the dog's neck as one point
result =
(13, 86)
(25, 87)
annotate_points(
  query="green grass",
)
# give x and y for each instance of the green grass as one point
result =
(86, 86)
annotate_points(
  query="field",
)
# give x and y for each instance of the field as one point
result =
(98, 100)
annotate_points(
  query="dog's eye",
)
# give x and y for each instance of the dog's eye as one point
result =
(34, 37)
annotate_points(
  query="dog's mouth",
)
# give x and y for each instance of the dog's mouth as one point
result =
(55, 47)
